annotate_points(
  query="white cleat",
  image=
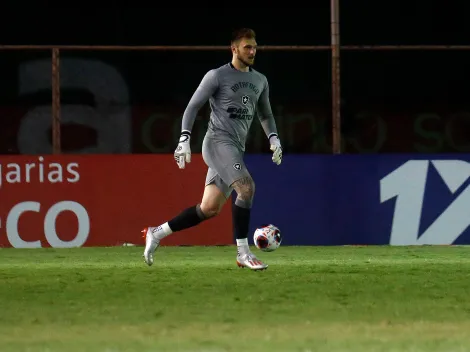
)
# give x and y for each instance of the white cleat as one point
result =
(151, 245)
(249, 260)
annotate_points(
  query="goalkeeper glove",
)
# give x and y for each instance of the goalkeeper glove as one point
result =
(183, 150)
(276, 149)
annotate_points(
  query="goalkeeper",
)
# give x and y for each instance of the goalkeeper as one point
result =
(235, 92)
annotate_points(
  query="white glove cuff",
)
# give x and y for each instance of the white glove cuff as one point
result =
(185, 137)
(274, 139)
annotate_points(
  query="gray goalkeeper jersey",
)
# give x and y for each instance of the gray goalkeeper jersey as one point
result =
(235, 97)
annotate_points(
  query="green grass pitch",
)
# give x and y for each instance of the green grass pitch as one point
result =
(197, 299)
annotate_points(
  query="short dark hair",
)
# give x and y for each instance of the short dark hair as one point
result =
(243, 33)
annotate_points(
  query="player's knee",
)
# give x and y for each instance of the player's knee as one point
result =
(247, 194)
(210, 209)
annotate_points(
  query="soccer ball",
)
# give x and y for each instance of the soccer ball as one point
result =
(267, 238)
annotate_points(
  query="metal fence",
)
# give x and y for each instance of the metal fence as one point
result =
(335, 48)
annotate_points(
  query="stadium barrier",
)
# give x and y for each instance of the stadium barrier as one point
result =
(377, 199)
(105, 200)
(100, 200)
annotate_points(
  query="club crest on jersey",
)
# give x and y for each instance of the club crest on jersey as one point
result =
(245, 99)
(237, 166)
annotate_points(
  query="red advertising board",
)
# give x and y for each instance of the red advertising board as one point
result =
(101, 200)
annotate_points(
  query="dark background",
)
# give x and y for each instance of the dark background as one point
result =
(394, 101)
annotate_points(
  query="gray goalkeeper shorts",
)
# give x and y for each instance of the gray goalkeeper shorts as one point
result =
(225, 162)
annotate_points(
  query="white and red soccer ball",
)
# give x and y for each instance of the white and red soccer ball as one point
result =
(267, 238)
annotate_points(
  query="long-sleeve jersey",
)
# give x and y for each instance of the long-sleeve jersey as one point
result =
(234, 97)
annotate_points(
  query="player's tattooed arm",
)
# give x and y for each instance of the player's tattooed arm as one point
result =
(204, 91)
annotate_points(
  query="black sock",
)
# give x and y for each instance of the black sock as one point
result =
(187, 218)
(241, 221)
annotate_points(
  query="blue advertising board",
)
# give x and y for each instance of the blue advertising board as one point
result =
(363, 199)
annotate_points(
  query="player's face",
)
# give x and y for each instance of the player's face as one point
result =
(246, 51)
